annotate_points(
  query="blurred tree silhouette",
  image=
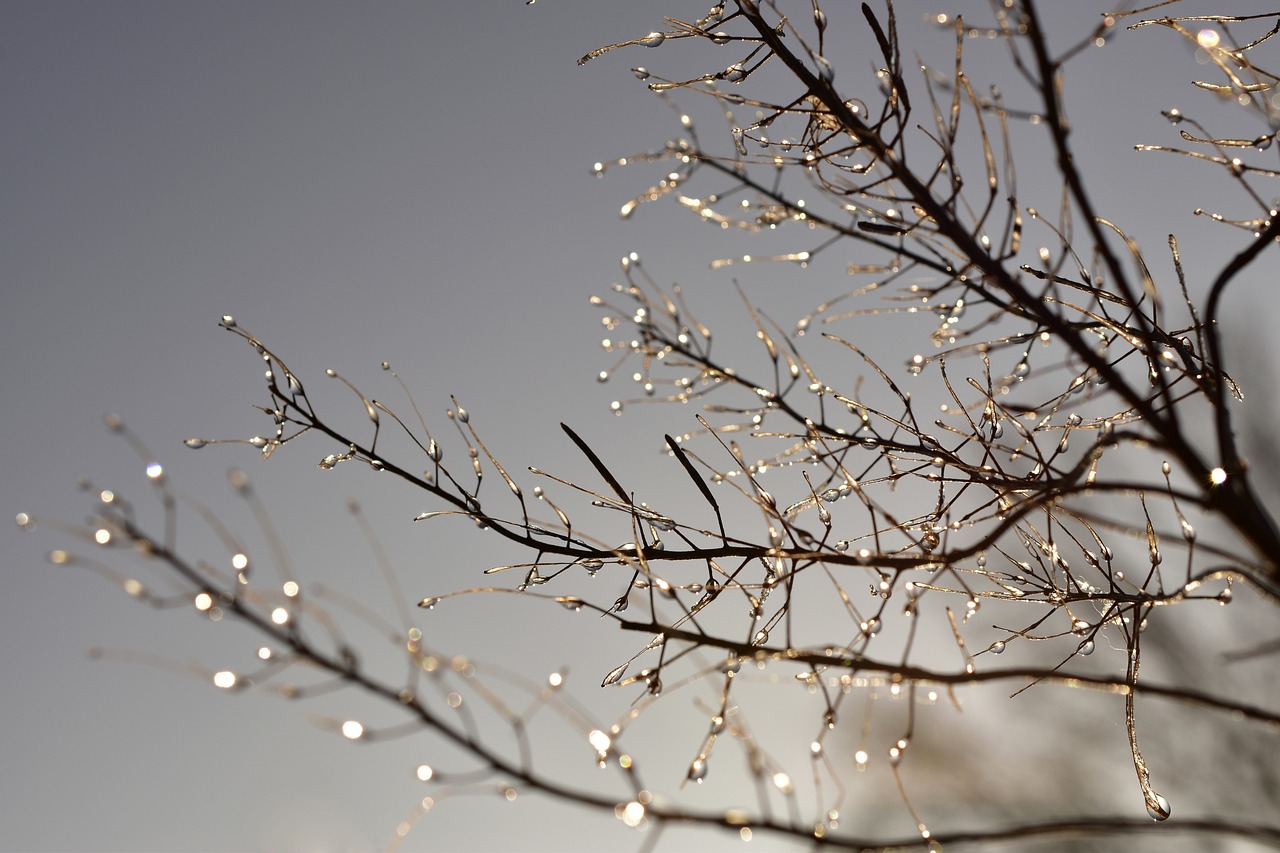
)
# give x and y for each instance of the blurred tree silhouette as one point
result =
(1050, 468)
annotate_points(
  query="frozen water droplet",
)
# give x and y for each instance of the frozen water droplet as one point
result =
(1158, 807)
(651, 40)
(614, 677)
(228, 321)
(825, 71)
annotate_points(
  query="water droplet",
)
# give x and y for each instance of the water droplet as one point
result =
(1158, 807)
(196, 443)
(651, 40)
(1086, 648)
(825, 71)
(641, 72)
(697, 770)
(614, 677)
(429, 603)
(998, 647)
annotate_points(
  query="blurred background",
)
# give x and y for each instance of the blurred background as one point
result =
(410, 183)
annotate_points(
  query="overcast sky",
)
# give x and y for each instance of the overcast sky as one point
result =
(354, 182)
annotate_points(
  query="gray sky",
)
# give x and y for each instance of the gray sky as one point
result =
(397, 181)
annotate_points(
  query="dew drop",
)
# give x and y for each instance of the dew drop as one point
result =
(697, 770)
(997, 648)
(196, 443)
(652, 40)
